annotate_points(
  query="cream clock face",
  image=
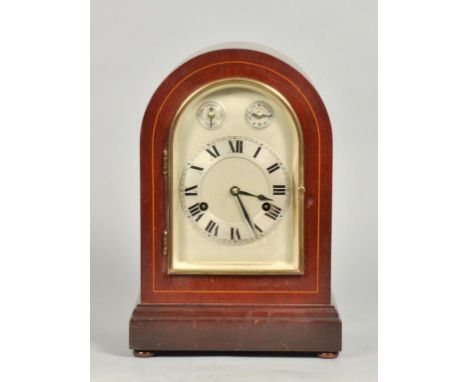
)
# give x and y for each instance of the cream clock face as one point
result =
(235, 182)
(235, 190)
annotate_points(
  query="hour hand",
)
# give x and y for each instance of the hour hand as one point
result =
(259, 196)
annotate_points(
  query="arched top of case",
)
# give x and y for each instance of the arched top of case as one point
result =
(314, 285)
(223, 63)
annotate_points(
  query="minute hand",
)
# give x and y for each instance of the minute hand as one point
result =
(246, 215)
(259, 196)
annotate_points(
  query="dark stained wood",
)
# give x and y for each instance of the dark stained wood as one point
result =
(278, 328)
(189, 292)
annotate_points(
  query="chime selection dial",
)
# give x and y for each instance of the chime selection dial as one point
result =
(259, 114)
(210, 115)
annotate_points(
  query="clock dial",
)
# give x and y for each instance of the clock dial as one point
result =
(234, 177)
(259, 114)
(210, 115)
(235, 190)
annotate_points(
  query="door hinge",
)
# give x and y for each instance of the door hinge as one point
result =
(165, 243)
(165, 162)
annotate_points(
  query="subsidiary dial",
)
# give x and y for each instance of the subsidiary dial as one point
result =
(259, 114)
(210, 115)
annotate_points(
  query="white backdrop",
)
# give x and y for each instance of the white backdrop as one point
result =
(134, 46)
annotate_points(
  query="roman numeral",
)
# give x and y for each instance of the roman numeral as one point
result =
(274, 212)
(258, 228)
(279, 189)
(191, 191)
(273, 168)
(214, 153)
(194, 209)
(212, 226)
(256, 152)
(235, 233)
(197, 168)
(237, 147)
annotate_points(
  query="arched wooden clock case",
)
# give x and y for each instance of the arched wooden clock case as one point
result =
(230, 312)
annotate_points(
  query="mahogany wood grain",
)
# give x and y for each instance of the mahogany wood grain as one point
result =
(314, 287)
(236, 312)
(273, 328)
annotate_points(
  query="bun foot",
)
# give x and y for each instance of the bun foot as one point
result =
(327, 355)
(143, 353)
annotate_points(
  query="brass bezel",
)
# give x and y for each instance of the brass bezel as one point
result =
(300, 189)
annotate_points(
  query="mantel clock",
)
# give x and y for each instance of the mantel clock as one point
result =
(236, 169)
